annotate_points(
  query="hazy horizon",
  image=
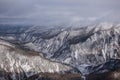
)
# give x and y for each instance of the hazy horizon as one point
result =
(47, 12)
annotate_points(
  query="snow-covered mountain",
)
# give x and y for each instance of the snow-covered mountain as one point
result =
(88, 45)
(82, 47)
(19, 64)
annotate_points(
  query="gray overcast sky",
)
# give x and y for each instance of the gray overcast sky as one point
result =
(58, 11)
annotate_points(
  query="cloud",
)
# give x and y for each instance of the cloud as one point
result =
(57, 11)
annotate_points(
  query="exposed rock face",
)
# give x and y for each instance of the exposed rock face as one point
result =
(110, 65)
(111, 75)
(108, 71)
(19, 64)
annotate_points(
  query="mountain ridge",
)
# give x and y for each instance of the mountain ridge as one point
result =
(78, 47)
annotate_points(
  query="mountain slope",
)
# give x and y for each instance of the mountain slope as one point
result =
(79, 47)
(18, 64)
(87, 45)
